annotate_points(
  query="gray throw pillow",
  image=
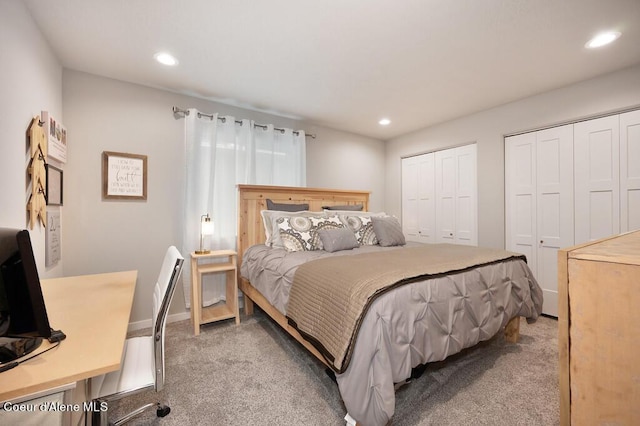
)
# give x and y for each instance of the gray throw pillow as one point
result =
(388, 231)
(336, 239)
(284, 207)
(346, 207)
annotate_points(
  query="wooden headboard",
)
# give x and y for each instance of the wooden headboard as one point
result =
(253, 198)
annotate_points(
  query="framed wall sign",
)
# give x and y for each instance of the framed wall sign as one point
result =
(124, 176)
(54, 186)
(52, 238)
(56, 137)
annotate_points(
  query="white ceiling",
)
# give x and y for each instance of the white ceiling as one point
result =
(346, 64)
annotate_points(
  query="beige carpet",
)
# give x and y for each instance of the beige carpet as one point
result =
(254, 374)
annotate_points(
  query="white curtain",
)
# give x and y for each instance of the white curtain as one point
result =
(219, 155)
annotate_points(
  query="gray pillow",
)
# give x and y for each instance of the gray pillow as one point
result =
(336, 239)
(388, 231)
(346, 207)
(284, 207)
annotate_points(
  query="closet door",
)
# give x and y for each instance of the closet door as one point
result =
(539, 203)
(426, 199)
(456, 195)
(446, 196)
(554, 207)
(597, 175)
(630, 171)
(521, 195)
(418, 198)
(410, 198)
(466, 195)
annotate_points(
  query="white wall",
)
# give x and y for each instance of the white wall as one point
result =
(109, 115)
(342, 160)
(30, 81)
(609, 93)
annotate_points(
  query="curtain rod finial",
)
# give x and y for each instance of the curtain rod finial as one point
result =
(179, 113)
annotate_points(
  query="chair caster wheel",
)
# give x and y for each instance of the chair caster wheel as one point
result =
(163, 410)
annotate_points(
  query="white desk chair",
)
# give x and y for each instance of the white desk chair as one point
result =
(143, 357)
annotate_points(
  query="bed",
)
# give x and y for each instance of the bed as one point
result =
(407, 322)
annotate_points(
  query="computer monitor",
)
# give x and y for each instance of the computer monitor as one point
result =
(23, 315)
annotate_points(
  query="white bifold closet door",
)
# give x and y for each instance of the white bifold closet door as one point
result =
(571, 185)
(539, 202)
(597, 174)
(607, 165)
(456, 195)
(418, 198)
(630, 171)
(439, 196)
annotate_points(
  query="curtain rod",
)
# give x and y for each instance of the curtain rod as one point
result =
(179, 113)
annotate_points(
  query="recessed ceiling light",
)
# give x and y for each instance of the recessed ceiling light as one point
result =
(602, 39)
(384, 122)
(165, 59)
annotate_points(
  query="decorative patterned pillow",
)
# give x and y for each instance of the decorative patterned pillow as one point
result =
(362, 227)
(299, 233)
(269, 218)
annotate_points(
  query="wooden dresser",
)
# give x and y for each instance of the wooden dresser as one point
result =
(599, 332)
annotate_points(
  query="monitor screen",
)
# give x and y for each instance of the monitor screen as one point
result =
(22, 308)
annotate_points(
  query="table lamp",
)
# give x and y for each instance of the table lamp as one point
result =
(206, 228)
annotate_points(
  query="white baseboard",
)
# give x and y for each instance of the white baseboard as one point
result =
(140, 325)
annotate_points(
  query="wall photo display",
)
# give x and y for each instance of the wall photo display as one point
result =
(54, 186)
(124, 176)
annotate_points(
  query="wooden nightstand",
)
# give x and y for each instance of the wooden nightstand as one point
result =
(200, 315)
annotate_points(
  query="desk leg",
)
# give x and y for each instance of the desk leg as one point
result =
(196, 302)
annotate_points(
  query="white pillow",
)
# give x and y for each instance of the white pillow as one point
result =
(354, 213)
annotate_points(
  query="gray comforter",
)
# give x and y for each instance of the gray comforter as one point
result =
(410, 325)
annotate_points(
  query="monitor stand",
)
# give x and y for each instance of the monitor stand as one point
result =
(12, 348)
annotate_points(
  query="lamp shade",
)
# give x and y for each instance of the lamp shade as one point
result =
(207, 226)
